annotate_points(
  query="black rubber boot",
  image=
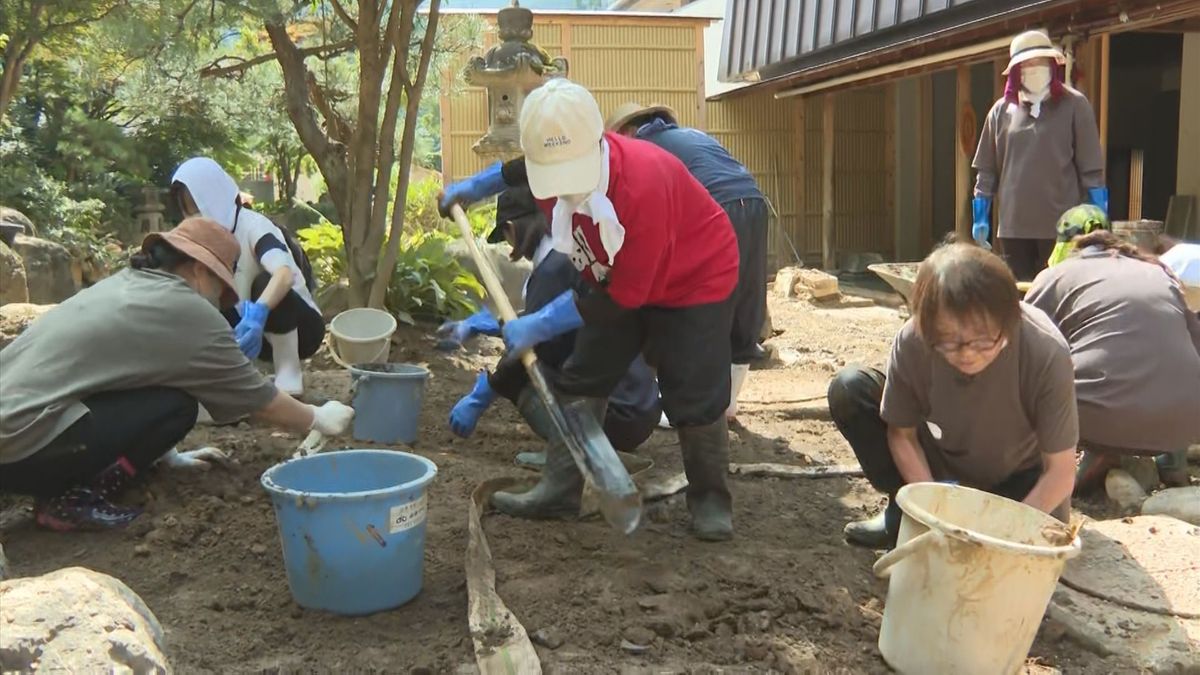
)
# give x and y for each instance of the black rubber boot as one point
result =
(82, 509)
(706, 463)
(529, 404)
(878, 532)
(1172, 468)
(113, 480)
(558, 493)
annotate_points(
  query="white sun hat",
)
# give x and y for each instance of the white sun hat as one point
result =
(1032, 44)
(561, 129)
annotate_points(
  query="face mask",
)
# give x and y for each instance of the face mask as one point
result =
(1035, 79)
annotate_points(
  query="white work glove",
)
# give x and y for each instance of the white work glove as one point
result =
(202, 458)
(332, 418)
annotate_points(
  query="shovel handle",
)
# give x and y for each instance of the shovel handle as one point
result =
(491, 280)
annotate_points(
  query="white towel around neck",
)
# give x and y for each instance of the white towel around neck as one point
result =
(596, 206)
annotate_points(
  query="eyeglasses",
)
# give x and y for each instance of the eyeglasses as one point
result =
(978, 345)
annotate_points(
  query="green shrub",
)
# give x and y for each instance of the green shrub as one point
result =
(428, 282)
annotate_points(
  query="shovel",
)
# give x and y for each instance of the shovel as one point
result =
(619, 499)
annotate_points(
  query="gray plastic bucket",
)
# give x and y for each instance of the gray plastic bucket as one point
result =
(387, 401)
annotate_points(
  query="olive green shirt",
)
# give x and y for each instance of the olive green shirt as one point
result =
(996, 423)
(135, 329)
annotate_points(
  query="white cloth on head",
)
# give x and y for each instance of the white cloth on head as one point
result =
(596, 206)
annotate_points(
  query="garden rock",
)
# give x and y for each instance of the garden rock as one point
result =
(13, 287)
(10, 215)
(77, 620)
(48, 270)
(1181, 502)
(16, 317)
(1123, 489)
(512, 274)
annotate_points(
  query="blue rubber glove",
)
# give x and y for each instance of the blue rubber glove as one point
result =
(1099, 197)
(249, 331)
(479, 187)
(466, 413)
(981, 208)
(559, 316)
(453, 334)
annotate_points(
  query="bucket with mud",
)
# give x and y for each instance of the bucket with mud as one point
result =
(361, 335)
(1142, 233)
(387, 401)
(969, 581)
(352, 524)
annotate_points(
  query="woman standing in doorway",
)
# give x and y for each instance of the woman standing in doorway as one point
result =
(1039, 153)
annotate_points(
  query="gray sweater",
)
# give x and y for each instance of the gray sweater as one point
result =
(1038, 167)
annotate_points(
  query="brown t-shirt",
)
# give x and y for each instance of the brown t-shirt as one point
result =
(991, 425)
(1039, 167)
(1135, 346)
(135, 329)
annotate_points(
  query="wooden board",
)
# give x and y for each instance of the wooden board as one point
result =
(1148, 563)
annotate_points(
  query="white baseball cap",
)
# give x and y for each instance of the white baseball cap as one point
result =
(561, 128)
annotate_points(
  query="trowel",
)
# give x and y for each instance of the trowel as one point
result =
(618, 496)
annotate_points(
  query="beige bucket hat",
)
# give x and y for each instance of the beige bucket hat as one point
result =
(1032, 44)
(632, 110)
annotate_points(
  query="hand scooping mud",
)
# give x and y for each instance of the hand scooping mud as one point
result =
(202, 458)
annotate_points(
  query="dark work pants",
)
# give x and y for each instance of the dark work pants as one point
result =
(854, 399)
(292, 313)
(1026, 257)
(687, 346)
(749, 218)
(626, 424)
(139, 425)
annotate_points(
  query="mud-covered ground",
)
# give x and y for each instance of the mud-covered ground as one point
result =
(787, 594)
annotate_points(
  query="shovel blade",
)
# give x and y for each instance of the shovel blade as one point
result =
(618, 496)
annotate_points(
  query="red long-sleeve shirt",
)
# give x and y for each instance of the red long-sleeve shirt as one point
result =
(680, 249)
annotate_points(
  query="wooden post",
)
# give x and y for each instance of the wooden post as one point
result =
(1101, 101)
(889, 162)
(798, 233)
(701, 99)
(925, 143)
(827, 261)
(962, 163)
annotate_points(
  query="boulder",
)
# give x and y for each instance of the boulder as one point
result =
(512, 274)
(77, 620)
(1124, 490)
(785, 281)
(48, 270)
(8, 215)
(13, 287)
(16, 317)
(1181, 502)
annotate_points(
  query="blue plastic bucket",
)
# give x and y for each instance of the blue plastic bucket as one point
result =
(352, 525)
(387, 401)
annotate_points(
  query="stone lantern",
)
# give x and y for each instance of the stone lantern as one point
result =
(148, 216)
(510, 71)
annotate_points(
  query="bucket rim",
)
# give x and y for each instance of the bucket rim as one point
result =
(393, 325)
(422, 372)
(921, 515)
(421, 481)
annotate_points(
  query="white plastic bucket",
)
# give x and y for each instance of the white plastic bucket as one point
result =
(362, 335)
(970, 580)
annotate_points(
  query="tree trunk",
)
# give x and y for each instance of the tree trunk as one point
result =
(413, 91)
(15, 55)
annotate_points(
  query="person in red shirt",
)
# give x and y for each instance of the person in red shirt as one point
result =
(664, 257)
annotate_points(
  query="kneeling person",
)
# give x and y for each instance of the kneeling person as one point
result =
(102, 386)
(633, 407)
(979, 390)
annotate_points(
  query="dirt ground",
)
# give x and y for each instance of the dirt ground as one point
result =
(787, 594)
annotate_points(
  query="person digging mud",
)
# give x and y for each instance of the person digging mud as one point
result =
(979, 391)
(276, 318)
(662, 258)
(106, 383)
(1135, 348)
(734, 188)
(1039, 151)
(633, 407)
